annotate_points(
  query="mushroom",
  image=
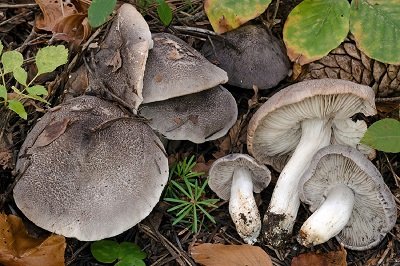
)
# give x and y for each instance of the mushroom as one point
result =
(349, 198)
(235, 177)
(250, 55)
(197, 117)
(175, 69)
(118, 67)
(88, 171)
(296, 122)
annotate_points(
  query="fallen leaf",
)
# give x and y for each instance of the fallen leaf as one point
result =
(230, 255)
(67, 20)
(17, 248)
(52, 132)
(332, 258)
(6, 154)
(74, 28)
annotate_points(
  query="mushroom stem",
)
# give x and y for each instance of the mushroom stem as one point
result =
(330, 218)
(242, 206)
(281, 214)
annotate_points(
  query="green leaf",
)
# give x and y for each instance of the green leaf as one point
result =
(375, 25)
(37, 90)
(314, 28)
(130, 261)
(11, 60)
(226, 15)
(18, 108)
(383, 135)
(105, 251)
(99, 11)
(1, 47)
(3, 92)
(128, 249)
(51, 57)
(164, 11)
(20, 75)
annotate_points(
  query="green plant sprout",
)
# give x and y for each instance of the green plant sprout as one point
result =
(127, 253)
(100, 10)
(188, 196)
(47, 60)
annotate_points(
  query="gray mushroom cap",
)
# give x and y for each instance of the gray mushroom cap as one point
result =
(221, 173)
(88, 171)
(374, 212)
(119, 65)
(175, 69)
(275, 129)
(197, 117)
(250, 55)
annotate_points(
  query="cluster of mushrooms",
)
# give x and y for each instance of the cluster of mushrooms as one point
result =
(94, 166)
(307, 132)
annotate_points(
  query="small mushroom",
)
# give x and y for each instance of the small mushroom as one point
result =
(295, 123)
(349, 198)
(235, 177)
(118, 67)
(197, 117)
(250, 55)
(88, 171)
(175, 69)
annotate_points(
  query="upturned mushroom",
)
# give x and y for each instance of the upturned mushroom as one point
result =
(295, 123)
(197, 117)
(349, 198)
(235, 177)
(176, 69)
(88, 171)
(250, 55)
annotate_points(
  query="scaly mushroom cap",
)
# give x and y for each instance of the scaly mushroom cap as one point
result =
(374, 211)
(175, 69)
(250, 55)
(120, 63)
(197, 117)
(275, 129)
(88, 171)
(221, 172)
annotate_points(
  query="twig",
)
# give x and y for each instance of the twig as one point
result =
(76, 253)
(390, 99)
(395, 176)
(17, 5)
(194, 29)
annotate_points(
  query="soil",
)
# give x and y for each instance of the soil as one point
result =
(168, 244)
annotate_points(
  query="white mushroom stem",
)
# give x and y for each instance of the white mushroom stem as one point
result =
(330, 218)
(285, 202)
(242, 206)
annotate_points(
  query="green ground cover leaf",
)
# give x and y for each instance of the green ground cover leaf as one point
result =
(99, 11)
(383, 135)
(164, 11)
(17, 107)
(105, 251)
(20, 75)
(226, 15)
(315, 27)
(51, 57)
(375, 25)
(11, 60)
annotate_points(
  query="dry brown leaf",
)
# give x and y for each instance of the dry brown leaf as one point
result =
(52, 132)
(64, 20)
(230, 255)
(17, 248)
(6, 154)
(74, 28)
(333, 258)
